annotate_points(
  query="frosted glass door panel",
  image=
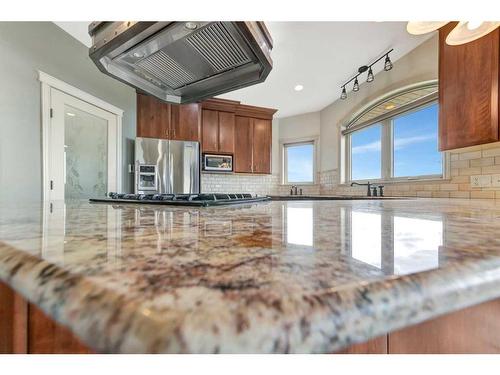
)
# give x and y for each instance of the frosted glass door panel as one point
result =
(85, 154)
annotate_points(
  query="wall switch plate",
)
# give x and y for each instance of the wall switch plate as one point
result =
(480, 181)
(495, 180)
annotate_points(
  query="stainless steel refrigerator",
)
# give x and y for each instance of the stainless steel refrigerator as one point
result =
(166, 167)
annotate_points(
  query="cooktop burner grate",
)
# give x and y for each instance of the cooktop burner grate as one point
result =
(204, 199)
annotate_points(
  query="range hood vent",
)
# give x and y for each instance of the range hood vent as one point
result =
(183, 62)
(215, 44)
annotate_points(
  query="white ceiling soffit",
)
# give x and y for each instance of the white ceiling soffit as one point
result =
(321, 56)
(78, 30)
(318, 55)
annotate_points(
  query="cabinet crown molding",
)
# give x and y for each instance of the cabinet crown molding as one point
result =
(238, 109)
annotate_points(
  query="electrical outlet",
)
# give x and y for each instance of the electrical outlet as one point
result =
(480, 181)
(474, 181)
(495, 180)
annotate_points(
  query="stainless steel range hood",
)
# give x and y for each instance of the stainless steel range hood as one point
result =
(183, 62)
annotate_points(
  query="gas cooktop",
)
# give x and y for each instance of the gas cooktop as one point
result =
(203, 200)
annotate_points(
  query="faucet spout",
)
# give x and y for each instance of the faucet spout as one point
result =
(368, 185)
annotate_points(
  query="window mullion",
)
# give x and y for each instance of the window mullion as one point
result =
(386, 144)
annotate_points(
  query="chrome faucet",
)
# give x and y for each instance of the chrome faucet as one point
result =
(368, 185)
(293, 190)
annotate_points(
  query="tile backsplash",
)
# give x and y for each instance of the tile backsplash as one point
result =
(483, 160)
(239, 183)
(250, 183)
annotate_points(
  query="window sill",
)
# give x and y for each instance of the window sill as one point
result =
(401, 181)
(298, 184)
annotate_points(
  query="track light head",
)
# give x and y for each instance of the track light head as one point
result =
(388, 63)
(344, 93)
(370, 77)
(355, 87)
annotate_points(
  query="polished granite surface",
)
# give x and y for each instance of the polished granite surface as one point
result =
(302, 276)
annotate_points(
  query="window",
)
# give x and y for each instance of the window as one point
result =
(415, 143)
(403, 145)
(366, 153)
(298, 163)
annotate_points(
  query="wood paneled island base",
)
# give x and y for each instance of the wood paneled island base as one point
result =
(26, 329)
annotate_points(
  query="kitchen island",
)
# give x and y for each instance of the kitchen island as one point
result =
(271, 277)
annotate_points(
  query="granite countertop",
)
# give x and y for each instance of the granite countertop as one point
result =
(312, 276)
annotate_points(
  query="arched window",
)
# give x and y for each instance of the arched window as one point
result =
(395, 137)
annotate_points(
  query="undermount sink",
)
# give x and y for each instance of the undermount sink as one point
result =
(324, 197)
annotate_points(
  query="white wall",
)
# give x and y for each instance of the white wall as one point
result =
(275, 146)
(300, 126)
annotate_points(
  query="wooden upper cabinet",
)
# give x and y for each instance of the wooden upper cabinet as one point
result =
(243, 142)
(217, 131)
(210, 131)
(226, 132)
(262, 134)
(153, 117)
(156, 119)
(185, 122)
(468, 91)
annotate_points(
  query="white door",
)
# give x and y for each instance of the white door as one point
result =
(83, 149)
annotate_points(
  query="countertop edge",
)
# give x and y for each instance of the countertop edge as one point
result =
(334, 319)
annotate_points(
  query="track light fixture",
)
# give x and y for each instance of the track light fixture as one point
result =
(355, 87)
(344, 93)
(387, 63)
(370, 77)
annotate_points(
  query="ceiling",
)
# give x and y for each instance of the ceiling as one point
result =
(318, 55)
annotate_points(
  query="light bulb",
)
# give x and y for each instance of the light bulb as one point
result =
(344, 94)
(370, 77)
(355, 87)
(387, 64)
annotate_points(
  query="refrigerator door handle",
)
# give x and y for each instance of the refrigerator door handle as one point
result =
(170, 169)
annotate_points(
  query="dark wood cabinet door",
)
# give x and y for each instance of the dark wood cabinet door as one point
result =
(153, 117)
(468, 91)
(243, 141)
(210, 131)
(185, 122)
(226, 132)
(262, 134)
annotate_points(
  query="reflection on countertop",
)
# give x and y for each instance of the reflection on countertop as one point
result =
(305, 276)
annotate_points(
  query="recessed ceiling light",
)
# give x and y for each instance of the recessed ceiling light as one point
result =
(390, 106)
(70, 114)
(298, 88)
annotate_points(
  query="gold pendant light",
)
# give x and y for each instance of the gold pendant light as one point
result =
(424, 27)
(467, 31)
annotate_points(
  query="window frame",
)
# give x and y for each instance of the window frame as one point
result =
(284, 144)
(387, 146)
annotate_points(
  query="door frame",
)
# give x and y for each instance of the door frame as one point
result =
(47, 83)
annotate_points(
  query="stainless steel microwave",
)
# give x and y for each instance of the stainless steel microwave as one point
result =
(217, 163)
